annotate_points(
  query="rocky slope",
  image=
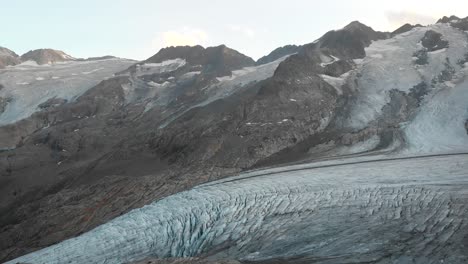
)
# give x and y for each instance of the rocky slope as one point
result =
(46, 56)
(8, 58)
(189, 115)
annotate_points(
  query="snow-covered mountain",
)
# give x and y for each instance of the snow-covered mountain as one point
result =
(378, 122)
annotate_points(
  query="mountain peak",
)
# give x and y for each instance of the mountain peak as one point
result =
(8, 57)
(219, 59)
(356, 25)
(46, 56)
(449, 19)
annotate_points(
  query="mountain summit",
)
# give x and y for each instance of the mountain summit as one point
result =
(8, 58)
(46, 56)
(219, 60)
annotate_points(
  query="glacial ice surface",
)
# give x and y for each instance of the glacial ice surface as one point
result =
(399, 209)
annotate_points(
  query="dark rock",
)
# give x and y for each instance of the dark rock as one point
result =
(433, 41)
(421, 57)
(46, 56)
(278, 53)
(461, 24)
(338, 68)
(446, 19)
(52, 102)
(219, 60)
(419, 91)
(405, 28)
(349, 42)
(3, 103)
(8, 58)
(446, 74)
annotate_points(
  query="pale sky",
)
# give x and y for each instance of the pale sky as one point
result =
(137, 29)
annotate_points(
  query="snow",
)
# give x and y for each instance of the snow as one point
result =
(336, 82)
(157, 68)
(333, 209)
(30, 85)
(327, 60)
(439, 125)
(378, 76)
(438, 51)
(228, 85)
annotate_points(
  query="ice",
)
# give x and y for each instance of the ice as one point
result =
(439, 125)
(336, 82)
(334, 209)
(327, 60)
(385, 58)
(157, 68)
(228, 85)
(30, 85)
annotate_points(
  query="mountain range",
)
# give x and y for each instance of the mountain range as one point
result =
(83, 142)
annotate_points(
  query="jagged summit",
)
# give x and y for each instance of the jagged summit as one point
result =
(278, 53)
(405, 28)
(220, 59)
(446, 19)
(365, 32)
(46, 56)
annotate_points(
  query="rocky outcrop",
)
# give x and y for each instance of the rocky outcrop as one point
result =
(278, 53)
(219, 60)
(454, 21)
(8, 58)
(405, 28)
(446, 19)
(433, 41)
(46, 56)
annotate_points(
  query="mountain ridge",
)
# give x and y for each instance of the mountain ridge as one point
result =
(168, 125)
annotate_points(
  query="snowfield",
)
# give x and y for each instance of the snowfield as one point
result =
(390, 58)
(28, 85)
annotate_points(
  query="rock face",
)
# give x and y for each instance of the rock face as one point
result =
(189, 115)
(405, 28)
(433, 41)
(8, 58)
(219, 60)
(46, 56)
(456, 22)
(278, 53)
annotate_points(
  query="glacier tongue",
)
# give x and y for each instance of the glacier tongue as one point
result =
(347, 212)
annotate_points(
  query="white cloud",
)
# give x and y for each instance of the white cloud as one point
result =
(180, 37)
(247, 31)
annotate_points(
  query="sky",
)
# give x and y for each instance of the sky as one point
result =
(138, 29)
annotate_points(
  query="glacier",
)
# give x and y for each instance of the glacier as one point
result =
(356, 209)
(408, 206)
